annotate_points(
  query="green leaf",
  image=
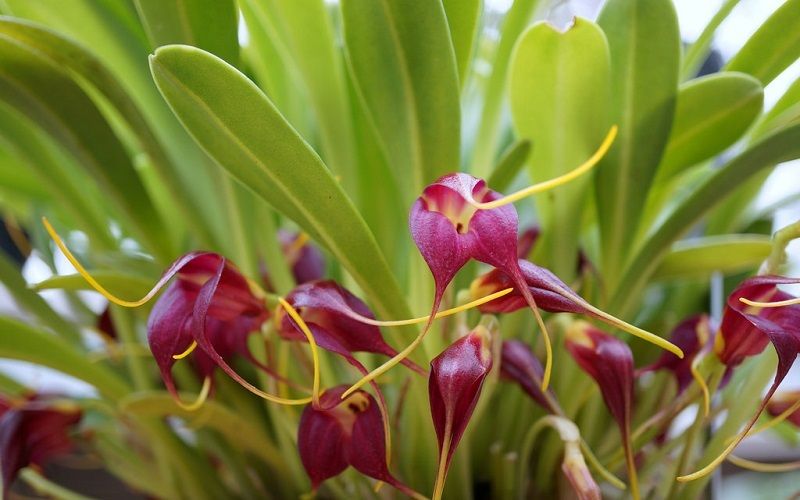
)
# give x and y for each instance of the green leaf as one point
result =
(65, 53)
(31, 302)
(559, 92)
(699, 258)
(487, 137)
(712, 113)
(38, 89)
(785, 112)
(781, 146)
(238, 126)
(120, 284)
(510, 165)
(238, 431)
(307, 33)
(462, 18)
(404, 66)
(208, 24)
(26, 343)
(645, 45)
(773, 47)
(699, 50)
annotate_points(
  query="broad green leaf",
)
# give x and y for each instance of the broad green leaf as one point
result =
(238, 126)
(310, 41)
(699, 258)
(510, 165)
(208, 24)
(773, 47)
(559, 92)
(487, 138)
(26, 343)
(711, 114)
(15, 175)
(120, 284)
(31, 302)
(781, 146)
(38, 89)
(463, 17)
(63, 52)
(238, 431)
(645, 46)
(404, 66)
(700, 48)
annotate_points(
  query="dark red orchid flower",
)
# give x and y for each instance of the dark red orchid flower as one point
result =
(210, 305)
(783, 402)
(456, 379)
(609, 361)
(336, 318)
(518, 364)
(527, 240)
(746, 330)
(345, 432)
(691, 335)
(552, 295)
(32, 431)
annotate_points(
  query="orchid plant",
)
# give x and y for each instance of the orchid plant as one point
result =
(374, 248)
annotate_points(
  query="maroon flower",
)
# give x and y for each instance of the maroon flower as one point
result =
(691, 335)
(31, 432)
(457, 376)
(745, 332)
(609, 362)
(336, 318)
(518, 364)
(210, 305)
(344, 432)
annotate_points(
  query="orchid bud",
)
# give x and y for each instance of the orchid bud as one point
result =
(341, 433)
(577, 473)
(302, 256)
(609, 362)
(518, 364)
(32, 432)
(691, 335)
(336, 317)
(456, 379)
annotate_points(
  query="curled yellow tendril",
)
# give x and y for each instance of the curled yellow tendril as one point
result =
(553, 183)
(763, 467)
(187, 352)
(781, 303)
(201, 398)
(701, 382)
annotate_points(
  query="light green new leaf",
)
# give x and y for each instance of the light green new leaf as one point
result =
(712, 113)
(699, 258)
(772, 48)
(645, 45)
(211, 25)
(404, 67)
(38, 89)
(699, 50)
(240, 128)
(26, 343)
(462, 18)
(559, 93)
(783, 145)
(487, 137)
(212, 415)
